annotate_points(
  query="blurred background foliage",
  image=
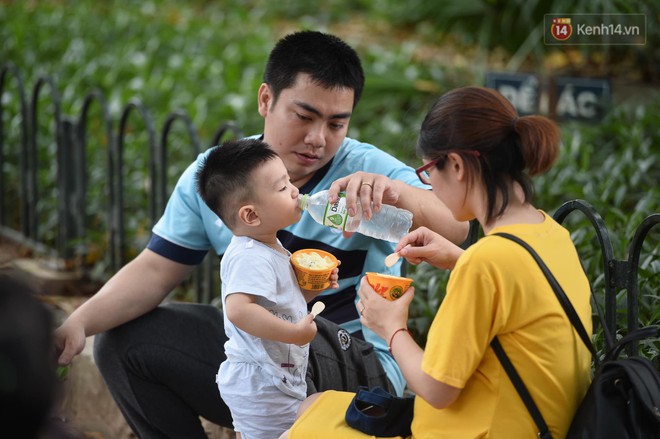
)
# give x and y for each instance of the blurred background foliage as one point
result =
(205, 58)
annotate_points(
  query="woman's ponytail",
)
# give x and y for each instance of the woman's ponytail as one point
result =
(539, 142)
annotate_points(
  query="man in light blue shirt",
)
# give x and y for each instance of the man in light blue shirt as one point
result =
(160, 361)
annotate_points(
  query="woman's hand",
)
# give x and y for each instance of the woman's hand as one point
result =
(423, 245)
(381, 315)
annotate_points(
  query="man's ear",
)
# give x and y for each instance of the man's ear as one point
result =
(249, 216)
(264, 99)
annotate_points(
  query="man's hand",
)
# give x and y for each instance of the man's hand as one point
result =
(69, 341)
(374, 190)
(370, 190)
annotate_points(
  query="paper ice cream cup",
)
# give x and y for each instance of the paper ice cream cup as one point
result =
(313, 268)
(388, 286)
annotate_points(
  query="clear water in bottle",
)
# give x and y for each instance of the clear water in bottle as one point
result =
(390, 224)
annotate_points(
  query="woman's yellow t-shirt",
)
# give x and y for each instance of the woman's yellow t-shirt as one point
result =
(496, 288)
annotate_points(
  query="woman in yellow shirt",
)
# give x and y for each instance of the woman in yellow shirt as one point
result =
(478, 156)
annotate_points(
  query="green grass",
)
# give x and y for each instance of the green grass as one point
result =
(206, 58)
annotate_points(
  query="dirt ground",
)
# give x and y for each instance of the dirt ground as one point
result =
(84, 407)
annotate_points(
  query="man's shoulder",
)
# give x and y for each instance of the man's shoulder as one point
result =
(353, 149)
(188, 177)
(354, 155)
(349, 145)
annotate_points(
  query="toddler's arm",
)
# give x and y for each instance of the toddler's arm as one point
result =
(244, 312)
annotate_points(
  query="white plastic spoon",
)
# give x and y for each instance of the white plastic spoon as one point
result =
(318, 308)
(392, 258)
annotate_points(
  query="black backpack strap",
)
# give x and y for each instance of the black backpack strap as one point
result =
(648, 332)
(640, 374)
(572, 316)
(511, 371)
(644, 380)
(559, 292)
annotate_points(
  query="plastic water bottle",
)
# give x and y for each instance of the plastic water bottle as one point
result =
(390, 224)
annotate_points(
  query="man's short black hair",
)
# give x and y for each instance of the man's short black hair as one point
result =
(329, 61)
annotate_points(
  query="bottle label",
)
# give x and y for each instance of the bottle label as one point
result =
(336, 213)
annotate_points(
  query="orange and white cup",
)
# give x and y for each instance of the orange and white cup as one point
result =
(388, 286)
(313, 268)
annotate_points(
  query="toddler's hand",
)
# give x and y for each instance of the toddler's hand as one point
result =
(305, 330)
(334, 277)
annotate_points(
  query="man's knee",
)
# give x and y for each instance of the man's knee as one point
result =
(105, 348)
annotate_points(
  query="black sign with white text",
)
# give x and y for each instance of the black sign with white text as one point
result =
(522, 90)
(580, 98)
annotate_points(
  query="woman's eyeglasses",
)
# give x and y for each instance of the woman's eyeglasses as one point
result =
(423, 171)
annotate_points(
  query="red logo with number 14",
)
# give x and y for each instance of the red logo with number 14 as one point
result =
(561, 28)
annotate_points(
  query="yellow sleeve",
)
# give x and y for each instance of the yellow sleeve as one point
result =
(472, 312)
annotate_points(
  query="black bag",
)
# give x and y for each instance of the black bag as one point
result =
(623, 400)
(378, 413)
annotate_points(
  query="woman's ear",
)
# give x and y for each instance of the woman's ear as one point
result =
(248, 215)
(456, 165)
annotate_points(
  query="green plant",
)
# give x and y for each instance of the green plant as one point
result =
(517, 27)
(205, 58)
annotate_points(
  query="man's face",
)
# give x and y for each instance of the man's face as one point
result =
(306, 125)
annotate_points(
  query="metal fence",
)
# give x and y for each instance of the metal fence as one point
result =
(619, 274)
(71, 136)
(71, 141)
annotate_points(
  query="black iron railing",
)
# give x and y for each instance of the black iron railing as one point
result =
(71, 137)
(619, 274)
(71, 145)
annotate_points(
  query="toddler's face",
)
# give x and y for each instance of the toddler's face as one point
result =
(277, 197)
